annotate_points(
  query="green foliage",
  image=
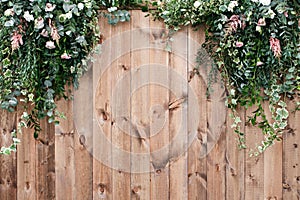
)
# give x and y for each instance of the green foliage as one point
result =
(44, 46)
(255, 45)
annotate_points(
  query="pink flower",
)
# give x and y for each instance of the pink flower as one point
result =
(50, 45)
(239, 44)
(275, 46)
(259, 63)
(261, 22)
(235, 22)
(16, 41)
(286, 14)
(44, 33)
(65, 56)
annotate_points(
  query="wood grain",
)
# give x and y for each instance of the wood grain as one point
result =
(140, 147)
(159, 115)
(8, 169)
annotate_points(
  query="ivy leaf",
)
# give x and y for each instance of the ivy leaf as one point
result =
(282, 112)
(223, 8)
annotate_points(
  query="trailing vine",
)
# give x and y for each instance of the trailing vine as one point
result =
(256, 47)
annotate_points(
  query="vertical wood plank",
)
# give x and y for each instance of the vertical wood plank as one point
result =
(83, 136)
(216, 165)
(178, 116)
(254, 166)
(291, 155)
(8, 169)
(140, 149)
(272, 167)
(235, 161)
(197, 170)
(216, 141)
(159, 101)
(45, 163)
(102, 174)
(120, 69)
(64, 151)
(26, 164)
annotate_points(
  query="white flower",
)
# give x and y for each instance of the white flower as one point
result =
(265, 2)
(69, 15)
(112, 9)
(28, 17)
(39, 23)
(49, 7)
(80, 6)
(231, 5)
(50, 45)
(271, 14)
(259, 63)
(9, 12)
(258, 29)
(197, 4)
(30, 97)
(72, 69)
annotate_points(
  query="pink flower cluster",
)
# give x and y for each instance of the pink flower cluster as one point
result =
(236, 23)
(275, 46)
(16, 41)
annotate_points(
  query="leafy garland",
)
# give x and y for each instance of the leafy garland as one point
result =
(255, 45)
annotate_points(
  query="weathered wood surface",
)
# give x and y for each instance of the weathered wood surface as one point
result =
(142, 127)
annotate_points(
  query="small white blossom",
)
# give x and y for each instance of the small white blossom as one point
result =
(197, 4)
(80, 6)
(69, 15)
(271, 14)
(50, 45)
(9, 12)
(265, 2)
(112, 9)
(72, 69)
(30, 97)
(49, 7)
(39, 23)
(231, 5)
(258, 29)
(28, 17)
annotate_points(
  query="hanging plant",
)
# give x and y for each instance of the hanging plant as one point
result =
(44, 46)
(255, 45)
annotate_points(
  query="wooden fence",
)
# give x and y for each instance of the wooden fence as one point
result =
(156, 106)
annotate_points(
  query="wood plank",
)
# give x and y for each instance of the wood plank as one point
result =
(64, 151)
(8, 178)
(120, 69)
(254, 166)
(272, 167)
(83, 137)
(45, 163)
(140, 148)
(235, 160)
(178, 116)
(102, 173)
(216, 141)
(291, 155)
(159, 101)
(26, 164)
(197, 121)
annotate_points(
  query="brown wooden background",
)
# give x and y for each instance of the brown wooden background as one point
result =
(58, 166)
